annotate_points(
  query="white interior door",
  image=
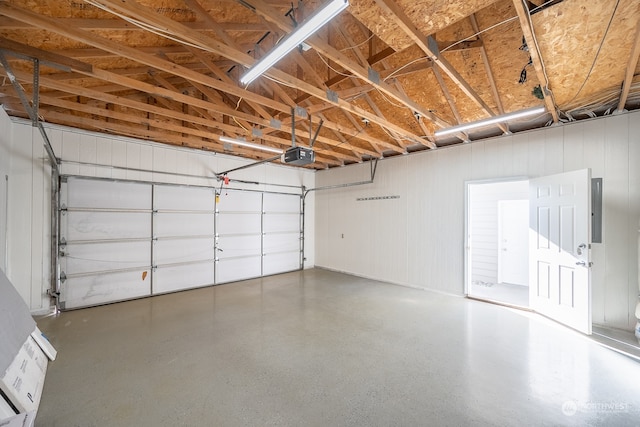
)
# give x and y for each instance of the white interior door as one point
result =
(513, 242)
(559, 242)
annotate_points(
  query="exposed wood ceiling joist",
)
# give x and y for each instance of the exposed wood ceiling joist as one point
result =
(383, 76)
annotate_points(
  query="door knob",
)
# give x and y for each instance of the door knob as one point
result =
(584, 263)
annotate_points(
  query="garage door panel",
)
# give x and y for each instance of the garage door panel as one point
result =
(97, 257)
(233, 269)
(85, 225)
(180, 277)
(281, 203)
(84, 291)
(276, 222)
(239, 246)
(97, 194)
(173, 224)
(285, 242)
(238, 223)
(114, 231)
(173, 251)
(240, 201)
(185, 198)
(281, 262)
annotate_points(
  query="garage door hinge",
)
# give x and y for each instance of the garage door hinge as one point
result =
(63, 277)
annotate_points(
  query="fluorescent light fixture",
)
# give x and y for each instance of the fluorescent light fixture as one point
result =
(249, 144)
(491, 121)
(300, 34)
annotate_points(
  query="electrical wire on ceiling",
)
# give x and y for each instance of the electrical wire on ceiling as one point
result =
(151, 28)
(506, 21)
(405, 66)
(608, 98)
(595, 59)
(330, 67)
(346, 141)
(359, 44)
(395, 104)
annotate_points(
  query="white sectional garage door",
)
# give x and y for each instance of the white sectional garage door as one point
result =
(239, 236)
(281, 224)
(123, 240)
(105, 250)
(183, 237)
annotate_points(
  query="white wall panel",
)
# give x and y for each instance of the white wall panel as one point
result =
(434, 208)
(593, 135)
(71, 152)
(5, 138)
(633, 225)
(118, 158)
(103, 157)
(88, 154)
(21, 187)
(615, 215)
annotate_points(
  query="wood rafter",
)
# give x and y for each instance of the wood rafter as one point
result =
(140, 12)
(487, 65)
(631, 68)
(169, 70)
(166, 66)
(536, 57)
(345, 62)
(410, 29)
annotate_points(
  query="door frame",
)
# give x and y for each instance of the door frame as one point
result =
(468, 255)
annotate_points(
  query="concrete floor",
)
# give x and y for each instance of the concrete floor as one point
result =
(505, 293)
(321, 348)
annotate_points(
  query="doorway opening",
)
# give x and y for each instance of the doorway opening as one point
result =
(497, 225)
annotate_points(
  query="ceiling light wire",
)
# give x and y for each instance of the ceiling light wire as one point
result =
(358, 45)
(150, 28)
(404, 66)
(329, 66)
(506, 21)
(595, 59)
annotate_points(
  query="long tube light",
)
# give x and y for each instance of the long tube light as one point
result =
(300, 34)
(250, 144)
(490, 121)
